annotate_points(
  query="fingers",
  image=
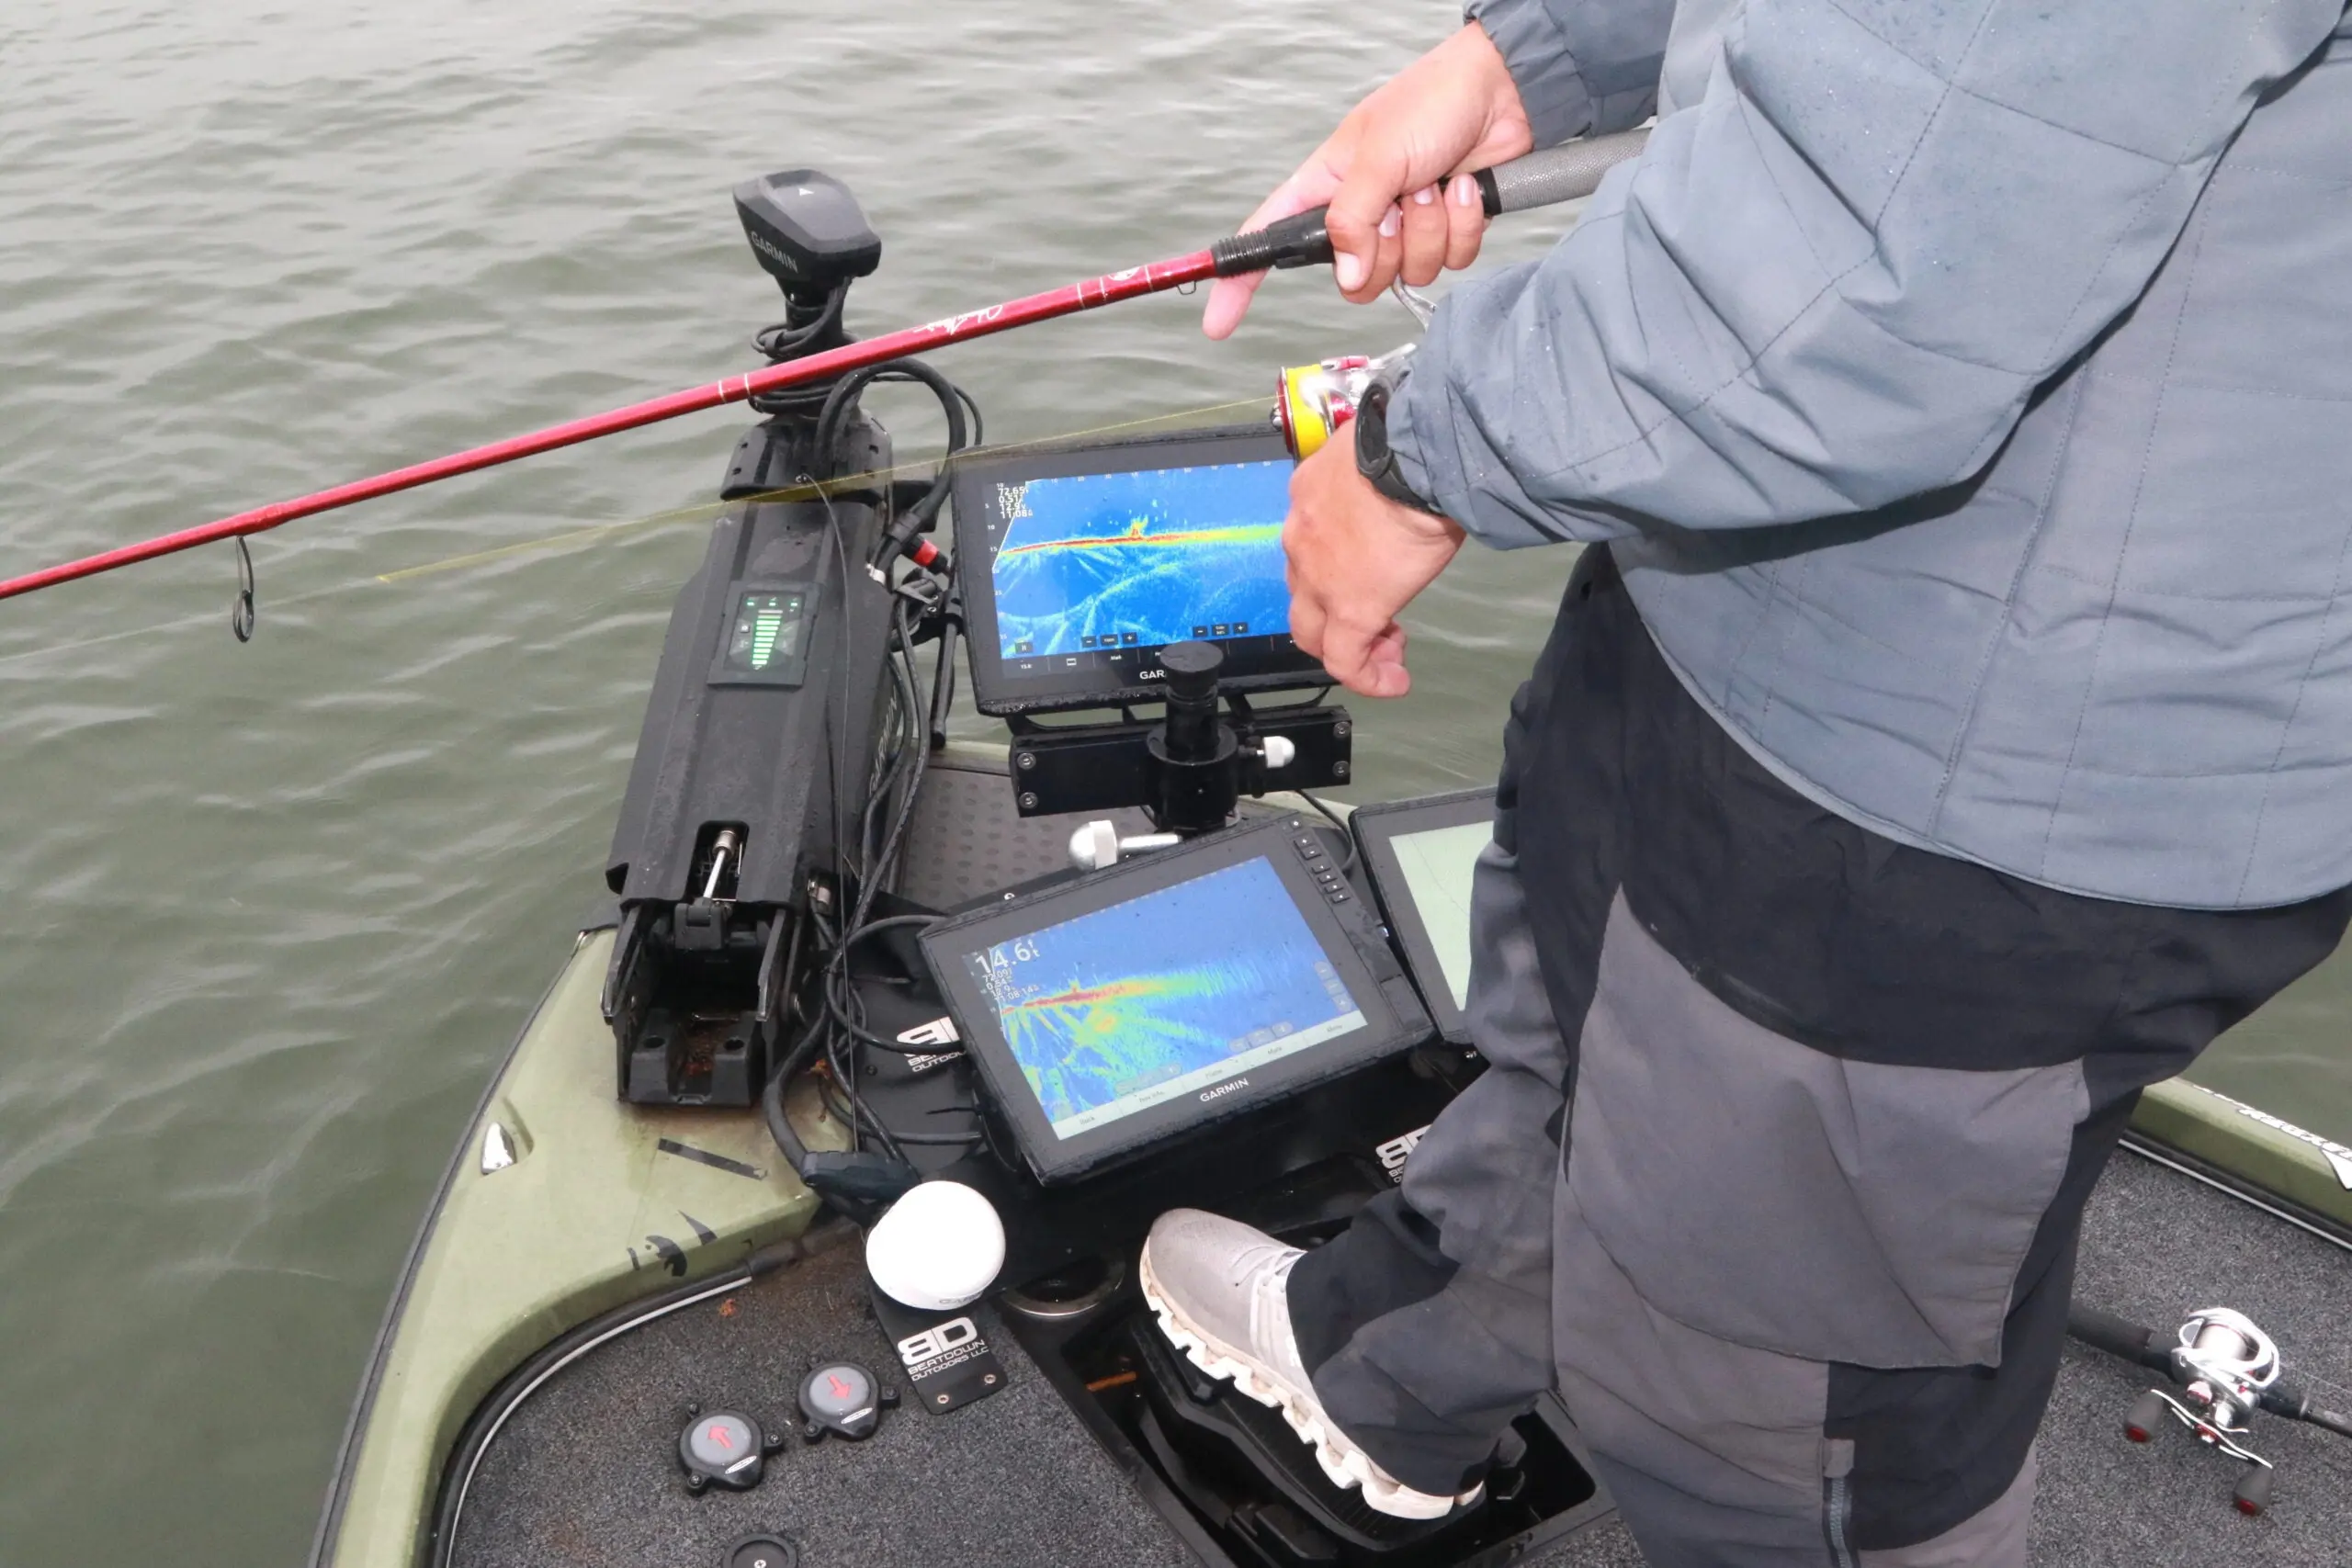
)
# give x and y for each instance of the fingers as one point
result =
(1385, 665)
(1365, 223)
(1426, 237)
(1370, 663)
(1228, 302)
(1465, 222)
(1309, 185)
(1306, 624)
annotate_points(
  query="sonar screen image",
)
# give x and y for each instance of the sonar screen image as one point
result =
(1166, 995)
(1096, 561)
(1439, 864)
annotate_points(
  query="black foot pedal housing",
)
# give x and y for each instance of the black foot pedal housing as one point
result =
(1195, 1416)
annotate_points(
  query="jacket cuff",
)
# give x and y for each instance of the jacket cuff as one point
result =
(1431, 465)
(1551, 87)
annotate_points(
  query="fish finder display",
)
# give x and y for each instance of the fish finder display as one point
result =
(1098, 567)
(1438, 863)
(1171, 993)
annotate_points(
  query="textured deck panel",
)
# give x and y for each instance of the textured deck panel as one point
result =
(967, 839)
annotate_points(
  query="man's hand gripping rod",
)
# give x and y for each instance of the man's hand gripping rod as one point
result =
(1556, 174)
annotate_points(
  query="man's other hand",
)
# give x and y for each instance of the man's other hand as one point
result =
(1395, 175)
(1353, 560)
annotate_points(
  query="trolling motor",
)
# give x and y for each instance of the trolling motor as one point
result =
(775, 653)
(2225, 1368)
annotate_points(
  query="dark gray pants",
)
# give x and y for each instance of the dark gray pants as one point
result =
(1778, 1165)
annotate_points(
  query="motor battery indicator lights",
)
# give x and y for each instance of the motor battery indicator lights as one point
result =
(766, 631)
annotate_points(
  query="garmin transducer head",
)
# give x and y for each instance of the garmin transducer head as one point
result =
(806, 229)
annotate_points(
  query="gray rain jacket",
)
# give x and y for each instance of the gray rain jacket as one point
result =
(1964, 383)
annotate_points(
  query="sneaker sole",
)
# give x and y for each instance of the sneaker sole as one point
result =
(1343, 1465)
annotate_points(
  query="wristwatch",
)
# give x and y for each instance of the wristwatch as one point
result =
(1375, 459)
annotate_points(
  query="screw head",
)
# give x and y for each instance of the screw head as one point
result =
(1343, 729)
(1028, 800)
(1339, 770)
(1025, 760)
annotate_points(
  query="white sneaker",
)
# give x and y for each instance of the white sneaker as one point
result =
(1219, 1290)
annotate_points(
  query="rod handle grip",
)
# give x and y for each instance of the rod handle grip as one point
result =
(1565, 172)
(2119, 1336)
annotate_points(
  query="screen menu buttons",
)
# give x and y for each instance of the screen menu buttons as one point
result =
(1327, 875)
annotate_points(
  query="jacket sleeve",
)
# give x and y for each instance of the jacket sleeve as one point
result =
(1836, 276)
(1583, 67)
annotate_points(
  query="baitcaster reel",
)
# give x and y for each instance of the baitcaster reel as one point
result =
(2225, 1365)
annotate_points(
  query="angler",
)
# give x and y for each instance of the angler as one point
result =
(1946, 734)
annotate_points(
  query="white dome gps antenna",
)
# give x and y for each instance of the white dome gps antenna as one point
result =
(938, 1249)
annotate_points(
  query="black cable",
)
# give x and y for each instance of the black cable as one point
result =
(1348, 860)
(841, 395)
(835, 1029)
(900, 534)
(785, 341)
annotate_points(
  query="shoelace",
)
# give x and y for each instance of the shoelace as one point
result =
(1246, 1260)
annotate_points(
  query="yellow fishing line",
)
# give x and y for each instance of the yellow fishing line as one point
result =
(706, 511)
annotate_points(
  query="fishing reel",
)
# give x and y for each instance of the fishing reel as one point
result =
(2225, 1369)
(1313, 401)
(2225, 1365)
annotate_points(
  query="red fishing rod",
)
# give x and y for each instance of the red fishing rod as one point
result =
(1559, 174)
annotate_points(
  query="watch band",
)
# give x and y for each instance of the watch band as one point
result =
(1375, 459)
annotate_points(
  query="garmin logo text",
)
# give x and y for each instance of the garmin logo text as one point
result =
(1221, 1091)
(759, 244)
(1151, 674)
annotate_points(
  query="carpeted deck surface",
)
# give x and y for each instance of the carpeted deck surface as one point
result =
(584, 1475)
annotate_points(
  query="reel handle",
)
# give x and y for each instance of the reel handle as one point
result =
(1545, 178)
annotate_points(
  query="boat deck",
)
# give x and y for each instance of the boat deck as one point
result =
(584, 1473)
